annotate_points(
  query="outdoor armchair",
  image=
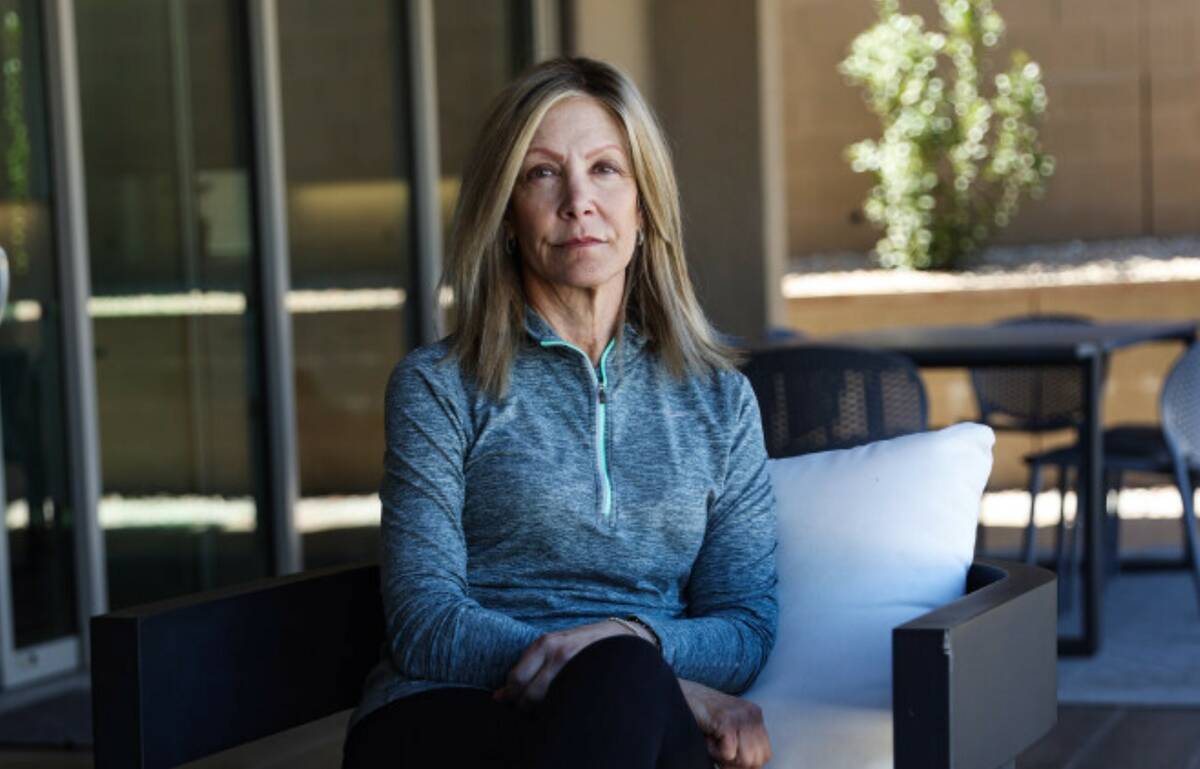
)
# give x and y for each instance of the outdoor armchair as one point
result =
(177, 680)
(972, 679)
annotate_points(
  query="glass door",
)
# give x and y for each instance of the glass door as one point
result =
(168, 136)
(39, 596)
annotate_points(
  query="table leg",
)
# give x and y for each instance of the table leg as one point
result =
(1091, 507)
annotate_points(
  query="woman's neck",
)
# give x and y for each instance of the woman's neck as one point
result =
(586, 318)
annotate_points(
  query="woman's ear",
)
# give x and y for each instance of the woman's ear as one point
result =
(508, 236)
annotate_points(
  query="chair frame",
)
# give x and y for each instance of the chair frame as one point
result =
(177, 680)
(793, 359)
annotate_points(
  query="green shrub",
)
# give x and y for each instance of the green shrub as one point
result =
(952, 163)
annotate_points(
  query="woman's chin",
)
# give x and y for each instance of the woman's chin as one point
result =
(588, 277)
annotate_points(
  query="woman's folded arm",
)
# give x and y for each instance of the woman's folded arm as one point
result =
(732, 612)
(435, 631)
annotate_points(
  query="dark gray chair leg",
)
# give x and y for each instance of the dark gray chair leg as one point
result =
(1035, 487)
(1112, 520)
(1074, 540)
(1060, 531)
(1064, 545)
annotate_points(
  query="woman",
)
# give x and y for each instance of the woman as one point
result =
(578, 527)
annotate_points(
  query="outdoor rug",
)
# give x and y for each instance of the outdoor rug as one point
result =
(1150, 649)
(63, 721)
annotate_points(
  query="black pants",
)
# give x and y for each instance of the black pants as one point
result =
(615, 704)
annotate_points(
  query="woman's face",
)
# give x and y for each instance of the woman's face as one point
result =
(574, 208)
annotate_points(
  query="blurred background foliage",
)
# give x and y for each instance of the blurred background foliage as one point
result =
(953, 162)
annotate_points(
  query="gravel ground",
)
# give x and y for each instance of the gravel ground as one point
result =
(1077, 262)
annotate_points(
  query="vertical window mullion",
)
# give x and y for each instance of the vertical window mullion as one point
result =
(275, 330)
(546, 18)
(427, 229)
(71, 232)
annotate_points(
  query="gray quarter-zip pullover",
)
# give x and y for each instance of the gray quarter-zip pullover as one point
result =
(587, 492)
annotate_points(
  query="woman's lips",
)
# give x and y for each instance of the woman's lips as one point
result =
(579, 242)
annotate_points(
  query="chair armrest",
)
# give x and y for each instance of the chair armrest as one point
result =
(975, 682)
(176, 680)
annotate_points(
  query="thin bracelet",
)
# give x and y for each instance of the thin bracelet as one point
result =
(628, 625)
(632, 623)
(644, 624)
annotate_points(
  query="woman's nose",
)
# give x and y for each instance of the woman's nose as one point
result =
(578, 198)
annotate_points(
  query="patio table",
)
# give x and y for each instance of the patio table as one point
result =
(1086, 346)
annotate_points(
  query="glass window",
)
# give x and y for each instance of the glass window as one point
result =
(345, 109)
(167, 140)
(38, 515)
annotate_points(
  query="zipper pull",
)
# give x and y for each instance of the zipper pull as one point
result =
(603, 395)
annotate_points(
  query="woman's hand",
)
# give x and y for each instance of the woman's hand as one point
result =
(737, 736)
(531, 677)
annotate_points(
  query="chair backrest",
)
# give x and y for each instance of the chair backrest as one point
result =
(821, 397)
(1032, 398)
(1180, 406)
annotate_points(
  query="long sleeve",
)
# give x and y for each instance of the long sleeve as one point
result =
(434, 630)
(732, 612)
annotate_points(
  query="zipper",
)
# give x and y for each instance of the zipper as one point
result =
(601, 387)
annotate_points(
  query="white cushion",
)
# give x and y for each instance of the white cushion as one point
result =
(869, 538)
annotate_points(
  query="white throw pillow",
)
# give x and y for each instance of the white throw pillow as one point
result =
(869, 538)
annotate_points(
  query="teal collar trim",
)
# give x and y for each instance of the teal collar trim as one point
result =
(541, 331)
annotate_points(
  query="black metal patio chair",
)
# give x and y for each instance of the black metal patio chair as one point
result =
(1036, 400)
(1171, 449)
(822, 397)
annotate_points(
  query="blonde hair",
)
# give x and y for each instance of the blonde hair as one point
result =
(486, 280)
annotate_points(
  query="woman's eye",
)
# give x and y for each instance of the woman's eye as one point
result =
(539, 172)
(605, 167)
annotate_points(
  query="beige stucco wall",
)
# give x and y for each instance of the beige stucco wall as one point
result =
(1123, 80)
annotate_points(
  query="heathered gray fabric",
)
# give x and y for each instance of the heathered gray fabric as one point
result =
(494, 528)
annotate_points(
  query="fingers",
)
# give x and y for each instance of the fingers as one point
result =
(535, 690)
(528, 665)
(754, 749)
(724, 746)
(522, 672)
(741, 741)
(753, 746)
(530, 678)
